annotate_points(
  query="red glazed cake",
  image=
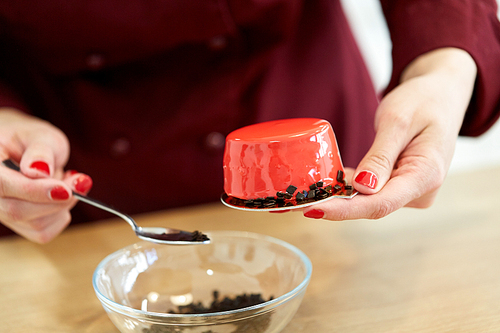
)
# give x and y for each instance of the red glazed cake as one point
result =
(284, 160)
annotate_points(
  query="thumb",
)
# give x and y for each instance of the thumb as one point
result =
(40, 148)
(45, 155)
(376, 167)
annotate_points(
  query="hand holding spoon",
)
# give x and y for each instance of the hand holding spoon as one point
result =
(152, 234)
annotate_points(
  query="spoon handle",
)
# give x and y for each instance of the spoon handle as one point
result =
(88, 200)
(11, 165)
(103, 206)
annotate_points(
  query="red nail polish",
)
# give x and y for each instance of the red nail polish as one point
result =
(41, 166)
(72, 172)
(315, 214)
(367, 178)
(83, 184)
(59, 193)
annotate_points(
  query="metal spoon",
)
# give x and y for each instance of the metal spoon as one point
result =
(151, 234)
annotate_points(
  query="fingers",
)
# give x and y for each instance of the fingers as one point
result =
(38, 162)
(376, 167)
(79, 182)
(44, 156)
(414, 182)
(39, 221)
(43, 229)
(15, 211)
(39, 209)
(402, 190)
(40, 148)
(395, 128)
(14, 184)
(36, 201)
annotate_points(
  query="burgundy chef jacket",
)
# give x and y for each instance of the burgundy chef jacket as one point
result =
(147, 91)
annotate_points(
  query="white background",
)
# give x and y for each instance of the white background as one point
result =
(370, 30)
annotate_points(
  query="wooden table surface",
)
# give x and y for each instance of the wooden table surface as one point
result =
(433, 270)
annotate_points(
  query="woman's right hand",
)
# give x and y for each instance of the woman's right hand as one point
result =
(36, 202)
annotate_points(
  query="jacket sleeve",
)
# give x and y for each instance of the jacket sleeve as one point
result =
(419, 26)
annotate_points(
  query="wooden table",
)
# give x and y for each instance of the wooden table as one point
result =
(433, 270)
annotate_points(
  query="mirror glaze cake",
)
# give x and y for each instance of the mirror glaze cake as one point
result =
(283, 162)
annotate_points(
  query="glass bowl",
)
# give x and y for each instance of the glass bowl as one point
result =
(148, 287)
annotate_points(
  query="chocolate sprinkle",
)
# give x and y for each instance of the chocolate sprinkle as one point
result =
(255, 324)
(322, 194)
(198, 236)
(269, 203)
(340, 176)
(317, 191)
(291, 189)
(300, 196)
(226, 304)
(195, 236)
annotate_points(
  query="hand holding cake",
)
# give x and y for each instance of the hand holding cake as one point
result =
(417, 125)
(289, 163)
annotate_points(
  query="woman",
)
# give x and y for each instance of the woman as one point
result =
(144, 94)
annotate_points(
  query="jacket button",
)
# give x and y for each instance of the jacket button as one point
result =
(218, 42)
(215, 140)
(95, 61)
(120, 147)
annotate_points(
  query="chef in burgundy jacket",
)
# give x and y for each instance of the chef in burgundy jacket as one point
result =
(144, 93)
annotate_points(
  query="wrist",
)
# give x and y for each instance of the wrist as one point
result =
(450, 61)
(448, 74)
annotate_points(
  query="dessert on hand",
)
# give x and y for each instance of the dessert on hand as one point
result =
(283, 164)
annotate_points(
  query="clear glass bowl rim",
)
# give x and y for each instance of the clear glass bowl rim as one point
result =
(203, 317)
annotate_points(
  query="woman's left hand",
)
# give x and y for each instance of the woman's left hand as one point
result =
(417, 126)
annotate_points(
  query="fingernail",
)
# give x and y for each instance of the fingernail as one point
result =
(367, 178)
(40, 166)
(314, 214)
(59, 193)
(83, 184)
(72, 172)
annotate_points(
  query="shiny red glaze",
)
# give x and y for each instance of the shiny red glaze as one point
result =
(262, 159)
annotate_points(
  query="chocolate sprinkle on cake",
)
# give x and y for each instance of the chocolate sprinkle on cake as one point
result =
(300, 196)
(317, 191)
(291, 189)
(340, 176)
